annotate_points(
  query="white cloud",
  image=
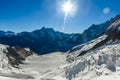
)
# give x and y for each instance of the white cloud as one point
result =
(106, 10)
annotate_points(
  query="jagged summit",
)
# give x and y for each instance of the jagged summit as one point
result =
(112, 32)
(115, 18)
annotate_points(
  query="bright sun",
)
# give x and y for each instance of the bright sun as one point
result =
(67, 7)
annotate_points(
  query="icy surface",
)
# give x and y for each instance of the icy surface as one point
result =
(100, 64)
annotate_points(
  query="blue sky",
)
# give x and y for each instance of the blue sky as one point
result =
(28, 15)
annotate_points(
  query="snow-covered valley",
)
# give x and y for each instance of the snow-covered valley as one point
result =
(40, 65)
(99, 64)
(33, 67)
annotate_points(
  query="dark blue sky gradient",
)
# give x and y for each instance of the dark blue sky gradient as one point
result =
(28, 15)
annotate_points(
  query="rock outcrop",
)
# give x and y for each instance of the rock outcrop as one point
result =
(16, 55)
(112, 32)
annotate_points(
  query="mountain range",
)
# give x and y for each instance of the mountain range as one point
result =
(99, 62)
(46, 40)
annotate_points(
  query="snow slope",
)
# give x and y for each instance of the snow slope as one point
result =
(6, 69)
(100, 64)
(39, 65)
(3, 58)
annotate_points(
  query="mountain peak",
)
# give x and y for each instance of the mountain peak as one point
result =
(118, 16)
(115, 18)
(43, 28)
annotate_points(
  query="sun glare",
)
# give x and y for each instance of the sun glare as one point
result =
(67, 7)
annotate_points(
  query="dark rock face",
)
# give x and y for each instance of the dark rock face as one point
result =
(95, 31)
(22, 52)
(112, 32)
(17, 55)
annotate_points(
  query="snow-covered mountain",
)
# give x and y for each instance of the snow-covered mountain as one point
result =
(99, 62)
(96, 30)
(46, 40)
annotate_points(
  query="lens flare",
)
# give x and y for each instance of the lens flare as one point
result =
(67, 8)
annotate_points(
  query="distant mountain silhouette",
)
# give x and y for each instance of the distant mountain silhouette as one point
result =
(46, 40)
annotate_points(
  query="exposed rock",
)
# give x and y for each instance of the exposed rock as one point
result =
(22, 52)
(112, 32)
(17, 55)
